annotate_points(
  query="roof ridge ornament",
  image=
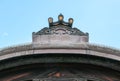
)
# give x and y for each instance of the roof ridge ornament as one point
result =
(60, 21)
(62, 28)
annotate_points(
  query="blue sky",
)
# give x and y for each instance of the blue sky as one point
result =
(19, 18)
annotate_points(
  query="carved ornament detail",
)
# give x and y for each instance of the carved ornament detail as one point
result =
(60, 28)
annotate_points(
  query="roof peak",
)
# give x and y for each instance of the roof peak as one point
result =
(60, 27)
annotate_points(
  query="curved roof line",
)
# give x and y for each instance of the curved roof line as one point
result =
(105, 56)
(88, 46)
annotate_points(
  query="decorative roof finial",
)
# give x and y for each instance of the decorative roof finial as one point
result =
(61, 27)
(60, 21)
(60, 17)
(50, 20)
(70, 20)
